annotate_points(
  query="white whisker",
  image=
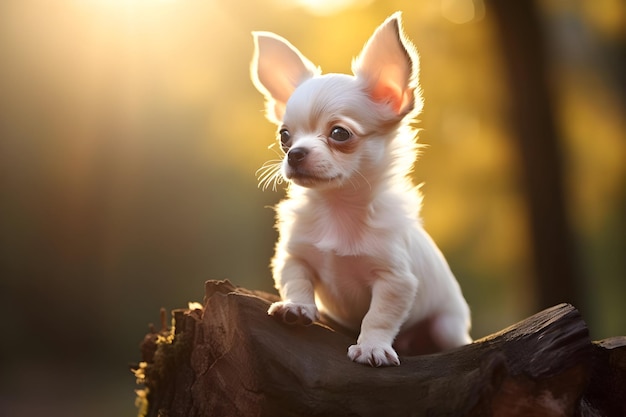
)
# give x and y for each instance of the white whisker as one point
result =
(269, 174)
(365, 178)
(280, 153)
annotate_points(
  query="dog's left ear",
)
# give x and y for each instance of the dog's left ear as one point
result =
(277, 69)
(389, 66)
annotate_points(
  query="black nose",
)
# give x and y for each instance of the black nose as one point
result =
(296, 156)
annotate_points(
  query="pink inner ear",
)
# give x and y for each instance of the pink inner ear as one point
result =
(387, 90)
(388, 93)
(392, 94)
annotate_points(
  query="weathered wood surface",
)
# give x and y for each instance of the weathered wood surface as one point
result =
(231, 359)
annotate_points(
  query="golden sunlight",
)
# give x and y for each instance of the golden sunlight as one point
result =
(328, 7)
(462, 11)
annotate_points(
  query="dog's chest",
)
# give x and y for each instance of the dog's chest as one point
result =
(342, 285)
(333, 269)
(346, 248)
(341, 246)
(340, 232)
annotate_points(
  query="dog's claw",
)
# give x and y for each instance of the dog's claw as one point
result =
(290, 317)
(373, 355)
(294, 313)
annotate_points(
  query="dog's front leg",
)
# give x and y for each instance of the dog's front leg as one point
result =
(294, 281)
(392, 296)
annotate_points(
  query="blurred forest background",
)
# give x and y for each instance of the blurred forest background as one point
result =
(130, 134)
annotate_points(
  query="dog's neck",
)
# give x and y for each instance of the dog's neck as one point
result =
(354, 201)
(346, 219)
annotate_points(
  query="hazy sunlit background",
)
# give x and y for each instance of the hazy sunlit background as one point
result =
(130, 134)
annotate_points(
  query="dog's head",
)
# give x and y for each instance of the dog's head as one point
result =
(334, 128)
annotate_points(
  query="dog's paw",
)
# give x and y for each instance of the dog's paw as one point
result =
(373, 354)
(294, 313)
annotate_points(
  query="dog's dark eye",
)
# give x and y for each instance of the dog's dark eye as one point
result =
(339, 134)
(284, 137)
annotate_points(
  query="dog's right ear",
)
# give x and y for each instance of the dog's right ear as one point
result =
(389, 68)
(277, 69)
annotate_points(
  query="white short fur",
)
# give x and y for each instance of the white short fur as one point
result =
(351, 240)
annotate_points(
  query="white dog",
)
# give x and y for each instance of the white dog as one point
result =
(351, 241)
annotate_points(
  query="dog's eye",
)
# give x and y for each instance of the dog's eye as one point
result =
(339, 134)
(284, 137)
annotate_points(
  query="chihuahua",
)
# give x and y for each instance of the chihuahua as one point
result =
(351, 243)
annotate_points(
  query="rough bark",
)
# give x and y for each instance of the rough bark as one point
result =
(230, 358)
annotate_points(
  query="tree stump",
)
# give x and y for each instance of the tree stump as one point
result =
(229, 358)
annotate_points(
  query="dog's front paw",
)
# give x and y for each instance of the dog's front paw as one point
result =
(373, 354)
(294, 313)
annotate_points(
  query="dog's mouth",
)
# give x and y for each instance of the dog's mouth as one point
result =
(306, 179)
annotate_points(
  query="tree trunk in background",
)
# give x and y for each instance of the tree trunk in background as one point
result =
(519, 30)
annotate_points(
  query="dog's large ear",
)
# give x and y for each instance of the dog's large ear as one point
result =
(277, 69)
(389, 66)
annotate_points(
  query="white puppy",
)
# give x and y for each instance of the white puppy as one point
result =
(351, 241)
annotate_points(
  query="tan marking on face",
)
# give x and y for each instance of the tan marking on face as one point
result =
(348, 147)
